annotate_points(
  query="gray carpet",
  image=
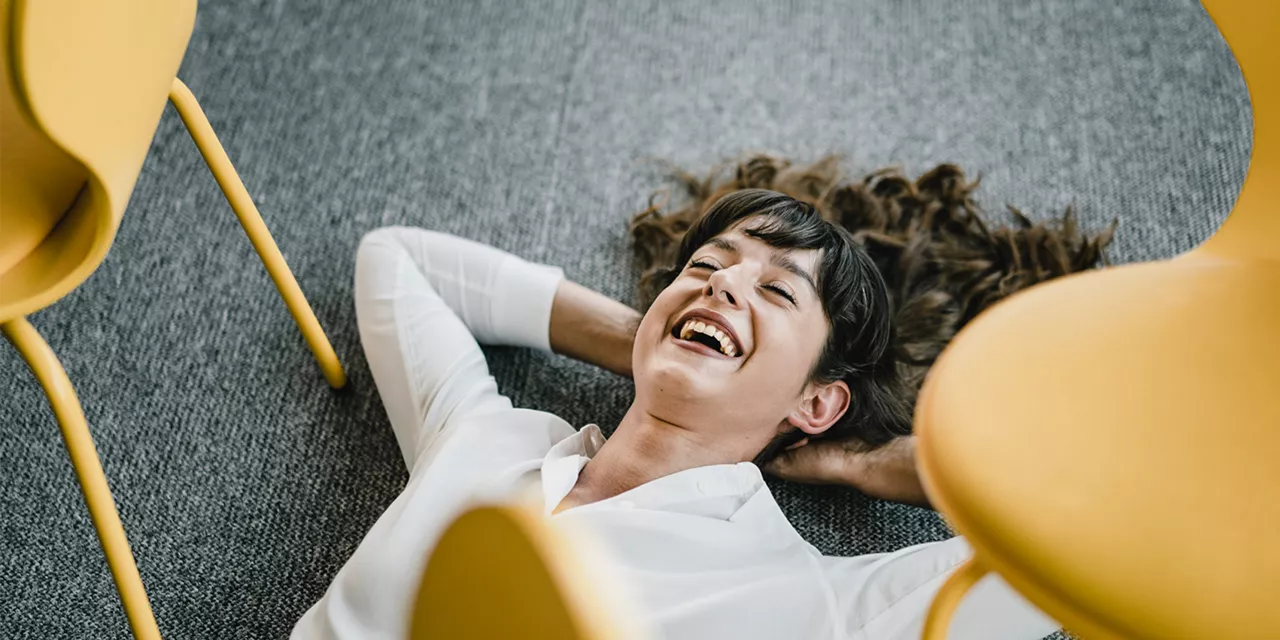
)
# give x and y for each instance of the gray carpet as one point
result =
(244, 482)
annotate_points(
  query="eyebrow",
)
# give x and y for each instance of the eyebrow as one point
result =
(778, 259)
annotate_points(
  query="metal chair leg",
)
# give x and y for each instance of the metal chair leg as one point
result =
(220, 165)
(948, 597)
(93, 483)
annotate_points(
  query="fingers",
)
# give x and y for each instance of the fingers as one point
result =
(786, 467)
(778, 466)
(803, 464)
(817, 462)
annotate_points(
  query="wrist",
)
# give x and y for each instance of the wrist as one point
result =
(854, 463)
(889, 472)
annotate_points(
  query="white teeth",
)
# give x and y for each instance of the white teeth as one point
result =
(695, 326)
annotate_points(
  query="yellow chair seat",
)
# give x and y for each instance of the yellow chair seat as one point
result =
(1092, 465)
(1108, 442)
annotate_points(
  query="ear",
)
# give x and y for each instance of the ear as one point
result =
(821, 405)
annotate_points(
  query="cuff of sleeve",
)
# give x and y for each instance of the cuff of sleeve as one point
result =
(523, 296)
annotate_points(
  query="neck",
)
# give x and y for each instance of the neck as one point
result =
(643, 448)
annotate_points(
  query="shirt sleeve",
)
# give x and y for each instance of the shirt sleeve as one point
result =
(886, 596)
(502, 299)
(423, 299)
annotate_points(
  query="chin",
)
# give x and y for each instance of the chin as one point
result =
(672, 380)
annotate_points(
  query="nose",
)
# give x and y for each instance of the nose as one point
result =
(722, 286)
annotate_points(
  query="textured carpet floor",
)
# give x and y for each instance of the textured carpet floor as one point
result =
(244, 482)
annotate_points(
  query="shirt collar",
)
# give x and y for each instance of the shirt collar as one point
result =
(563, 463)
(731, 492)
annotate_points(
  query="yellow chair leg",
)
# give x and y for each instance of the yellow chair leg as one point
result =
(216, 157)
(84, 458)
(948, 597)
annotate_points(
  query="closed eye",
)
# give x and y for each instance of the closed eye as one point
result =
(782, 292)
(699, 264)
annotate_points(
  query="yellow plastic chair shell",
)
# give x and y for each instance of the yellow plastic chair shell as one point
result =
(84, 86)
(1108, 442)
(507, 571)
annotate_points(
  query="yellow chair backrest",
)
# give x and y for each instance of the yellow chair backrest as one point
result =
(85, 84)
(37, 178)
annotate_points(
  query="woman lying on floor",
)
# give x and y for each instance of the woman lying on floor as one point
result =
(771, 336)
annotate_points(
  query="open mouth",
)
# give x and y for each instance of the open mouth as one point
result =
(708, 332)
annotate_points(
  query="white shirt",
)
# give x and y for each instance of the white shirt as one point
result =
(706, 551)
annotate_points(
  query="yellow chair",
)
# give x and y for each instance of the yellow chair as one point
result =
(84, 85)
(1108, 442)
(506, 571)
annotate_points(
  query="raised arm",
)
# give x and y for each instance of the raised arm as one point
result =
(505, 300)
(425, 299)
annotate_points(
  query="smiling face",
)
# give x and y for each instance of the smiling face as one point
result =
(728, 347)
